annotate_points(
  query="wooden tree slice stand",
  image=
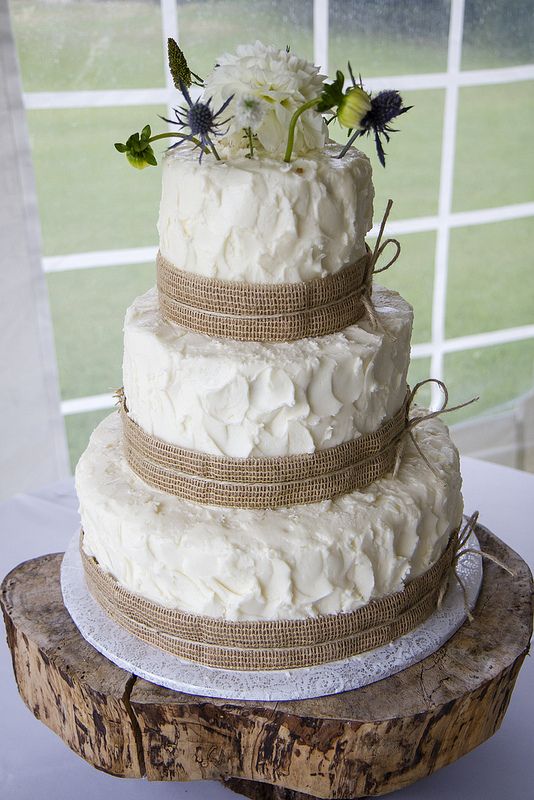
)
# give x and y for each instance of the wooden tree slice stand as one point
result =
(363, 743)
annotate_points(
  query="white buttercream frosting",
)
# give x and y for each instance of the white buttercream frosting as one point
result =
(260, 220)
(268, 564)
(245, 399)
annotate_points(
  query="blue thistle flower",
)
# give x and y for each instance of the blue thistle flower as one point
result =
(385, 106)
(383, 109)
(202, 122)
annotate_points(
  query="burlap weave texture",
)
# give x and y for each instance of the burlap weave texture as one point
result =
(262, 482)
(271, 644)
(273, 312)
(262, 312)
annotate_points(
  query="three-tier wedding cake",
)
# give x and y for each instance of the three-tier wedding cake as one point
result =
(267, 478)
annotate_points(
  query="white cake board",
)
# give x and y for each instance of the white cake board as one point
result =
(127, 651)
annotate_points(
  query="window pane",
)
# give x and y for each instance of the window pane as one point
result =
(208, 29)
(79, 429)
(497, 33)
(90, 198)
(385, 37)
(497, 374)
(412, 275)
(88, 44)
(420, 371)
(490, 285)
(88, 307)
(411, 176)
(494, 154)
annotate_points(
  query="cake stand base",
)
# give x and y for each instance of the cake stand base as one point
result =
(361, 743)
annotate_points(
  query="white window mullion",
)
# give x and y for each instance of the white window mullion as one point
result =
(448, 149)
(488, 338)
(82, 405)
(320, 34)
(490, 77)
(109, 98)
(144, 255)
(99, 258)
(169, 29)
(94, 98)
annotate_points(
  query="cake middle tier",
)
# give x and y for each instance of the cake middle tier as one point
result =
(254, 399)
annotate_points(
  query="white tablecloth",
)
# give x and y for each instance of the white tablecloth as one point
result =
(34, 763)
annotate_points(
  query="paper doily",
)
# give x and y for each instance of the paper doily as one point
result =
(127, 651)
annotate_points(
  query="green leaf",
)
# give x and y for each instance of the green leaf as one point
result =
(178, 65)
(149, 156)
(137, 145)
(120, 147)
(146, 133)
(332, 94)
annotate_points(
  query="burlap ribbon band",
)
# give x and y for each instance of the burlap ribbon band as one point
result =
(279, 481)
(280, 312)
(276, 644)
(263, 482)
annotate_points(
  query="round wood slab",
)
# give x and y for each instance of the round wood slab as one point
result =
(363, 743)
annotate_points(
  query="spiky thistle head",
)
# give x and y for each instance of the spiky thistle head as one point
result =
(385, 107)
(200, 118)
(202, 121)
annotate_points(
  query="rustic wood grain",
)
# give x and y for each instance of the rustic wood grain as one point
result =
(362, 743)
(63, 680)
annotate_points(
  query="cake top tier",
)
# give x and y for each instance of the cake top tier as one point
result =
(262, 221)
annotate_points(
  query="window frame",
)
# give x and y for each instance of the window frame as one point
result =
(442, 223)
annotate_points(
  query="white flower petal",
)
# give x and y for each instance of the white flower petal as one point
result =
(282, 82)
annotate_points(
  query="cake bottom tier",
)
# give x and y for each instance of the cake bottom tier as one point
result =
(285, 563)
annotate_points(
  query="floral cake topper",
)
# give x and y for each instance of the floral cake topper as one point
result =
(264, 101)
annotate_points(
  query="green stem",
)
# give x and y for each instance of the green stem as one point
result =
(250, 142)
(292, 124)
(173, 134)
(349, 143)
(213, 149)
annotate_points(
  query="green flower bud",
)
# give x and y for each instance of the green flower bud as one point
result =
(137, 160)
(356, 103)
(138, 150)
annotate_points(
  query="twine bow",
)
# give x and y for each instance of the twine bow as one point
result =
(367, 287)
(460, 549)
(118, 394)
(413, 422)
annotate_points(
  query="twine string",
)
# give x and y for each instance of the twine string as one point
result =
(460, 549)
(413, 421)
(118, 394)
(367, 288)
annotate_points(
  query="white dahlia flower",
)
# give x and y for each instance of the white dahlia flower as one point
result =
(283, 82)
